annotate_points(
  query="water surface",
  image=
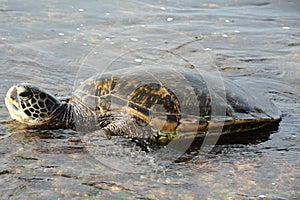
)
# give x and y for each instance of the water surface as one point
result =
(58, 44)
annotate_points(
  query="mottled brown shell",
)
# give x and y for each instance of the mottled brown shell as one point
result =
(181, 100)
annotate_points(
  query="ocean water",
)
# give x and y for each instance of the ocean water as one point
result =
(58, 44)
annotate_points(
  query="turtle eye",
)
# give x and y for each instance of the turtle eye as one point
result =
(25, 95)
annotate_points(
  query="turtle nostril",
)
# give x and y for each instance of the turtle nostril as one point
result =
(12, 93)
(14, 96)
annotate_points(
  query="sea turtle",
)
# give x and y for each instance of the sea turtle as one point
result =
(155, 104)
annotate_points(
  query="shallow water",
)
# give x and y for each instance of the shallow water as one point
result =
(58, 44)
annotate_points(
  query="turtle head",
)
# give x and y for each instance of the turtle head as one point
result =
(31, 105)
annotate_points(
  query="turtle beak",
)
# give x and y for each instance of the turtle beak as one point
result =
(12, 102)
(11, 96)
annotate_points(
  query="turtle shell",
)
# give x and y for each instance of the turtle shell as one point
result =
(177, 100)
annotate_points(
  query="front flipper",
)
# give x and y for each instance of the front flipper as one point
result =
(129, 127)
(124, 125)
